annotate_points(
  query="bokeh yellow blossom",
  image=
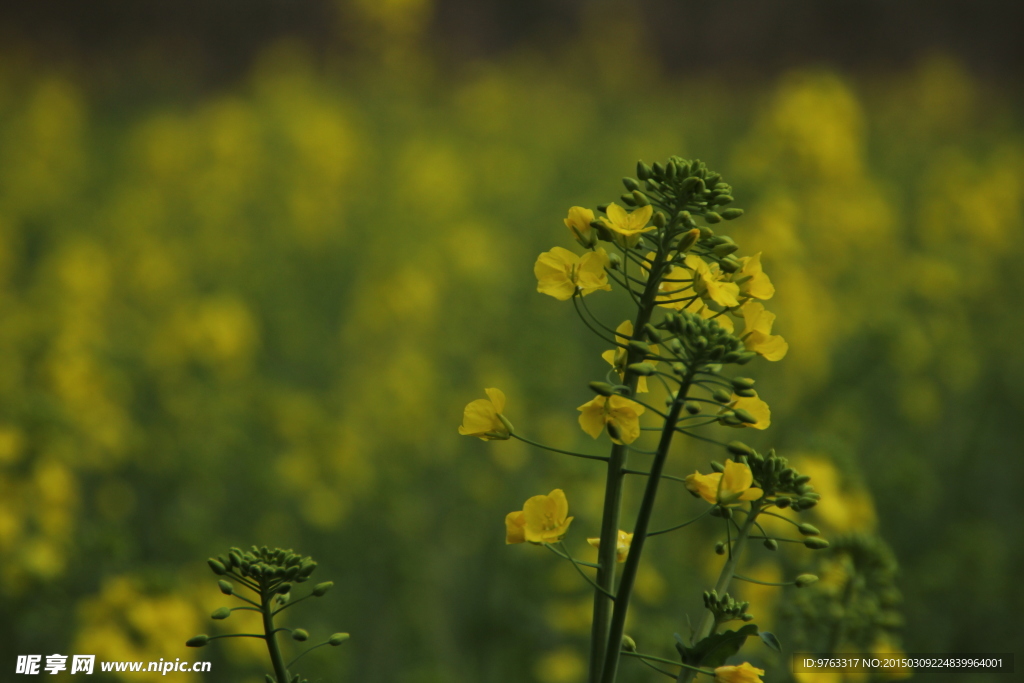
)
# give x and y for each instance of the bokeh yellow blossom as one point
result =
(752, 280)
(709, 282)
(482, 417)
(617, 357)
(621, 415)
(543, 519)
(560, 273)
(731, 487)
(622, 542)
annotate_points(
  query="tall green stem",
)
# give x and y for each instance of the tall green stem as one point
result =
(618, 622)
(606, 553)
(724, 578)
(280, 670)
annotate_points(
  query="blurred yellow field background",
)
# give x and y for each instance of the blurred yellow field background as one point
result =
(254, 316)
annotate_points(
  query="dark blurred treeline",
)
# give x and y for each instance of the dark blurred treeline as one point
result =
(216, 42)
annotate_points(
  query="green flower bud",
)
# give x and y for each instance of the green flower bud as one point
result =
(603, 208)
(628, 644)
(747, 617)
(805, 580)
(221, 613)
(808, 530)
(627, 199)
(744, 416)
(729, 264)
(807, 503)
(226, 587)
(659, 220)
(721, 200)
(686, 219)
(771, 544)
(338, 639)
(642, 347)
(653, 333)
(269, 679)
(284, 588)
(197, 641)
(643, 171)
(321, 589)
(692, 407)
(614, 261)
(732, 214)
(720, 548)
(739, 448)
(712, 217)
(721, 396)
(300, 634)
(802, 479)
(602, 388)
(725, 249)
(658, 169)
(640, 198)
(630, 184)
(642, 369)
(308, 567)
(713, 179)
(217, 566)
(782, 502)
(816, 543)
(745, 357)
(725, 513)
(671, 170)
(745, 393)
(742, 382)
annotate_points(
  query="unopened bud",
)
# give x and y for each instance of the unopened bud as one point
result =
(338, 639)
(628, 644)
(321, 589)
(712, 217)
(640, 198)
(720, 548)
(300, 634)
(744, 416)
(642, 369)
(782, 502)
(717, 466)
(217, 566)
(745, 393)
(816, 543)
(721, 200)
(692, 407)
(721, 396)
(771, 544)
(687, 240)
(739, 448)
(808, 530)
(630, 184)
(732, 214)
(197, 641)
(226, 587)
(805, 580)
(725, 249)
(659, 219)
(221, 613)
(643, 171)
(627, 199)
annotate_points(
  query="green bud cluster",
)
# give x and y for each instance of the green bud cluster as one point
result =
(778, 480)
(725, 608)
(696, 342)
(684, 183)
(263, 565)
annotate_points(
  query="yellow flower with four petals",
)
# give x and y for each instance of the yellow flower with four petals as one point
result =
(543, 519)
(620, 415)
(731, 487)
(560, 273)
(757, 335)
(483, 417)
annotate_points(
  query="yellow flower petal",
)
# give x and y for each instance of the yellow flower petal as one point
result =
(578, 221)
(744, 673)
(480, 418)
(629, 224)
(545, 517)
(515, 527)
(622, 543)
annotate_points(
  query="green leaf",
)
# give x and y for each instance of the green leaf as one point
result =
(716, 648)
(769, 639)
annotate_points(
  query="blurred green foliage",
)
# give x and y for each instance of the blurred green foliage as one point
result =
(256, 317)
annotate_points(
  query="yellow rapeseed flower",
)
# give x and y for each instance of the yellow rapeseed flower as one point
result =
(560, 273)
(757, 408)
(708, 282)
(579, 221)
(543, 519)
(744, 673)
(753, 282)
(617, 357)
(622, 543)
(731, 487)
(482, 417)
(621, 415)
(757, 335)
(629, 225)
